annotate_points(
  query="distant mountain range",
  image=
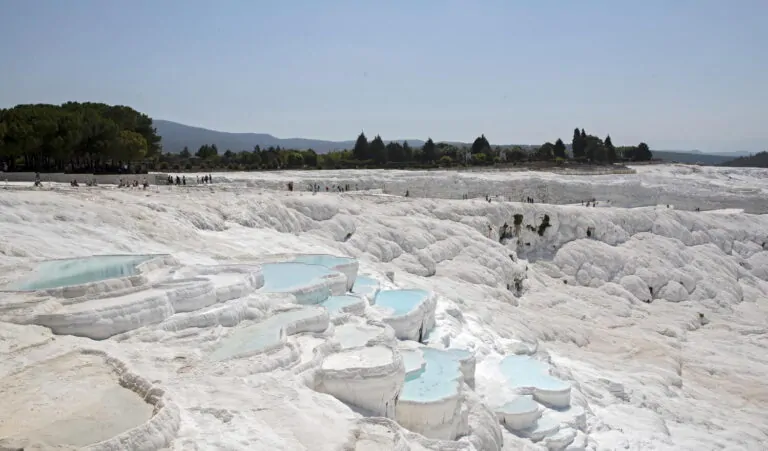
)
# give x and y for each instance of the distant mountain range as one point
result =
(176, 136)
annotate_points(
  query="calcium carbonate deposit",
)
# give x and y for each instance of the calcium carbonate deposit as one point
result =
(615, 312)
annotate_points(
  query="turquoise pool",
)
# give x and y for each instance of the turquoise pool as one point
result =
(400, 301)
(258, 337)
(336, 304)
(524, 371)
(365, 286)
(79, 271)
(329, 261)
(439, 380)
(283, 277)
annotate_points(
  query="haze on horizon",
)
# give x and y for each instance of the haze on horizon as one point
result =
(677, 75)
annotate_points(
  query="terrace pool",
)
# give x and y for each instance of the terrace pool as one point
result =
(520, 405)
(524, 371)
(259, 337)
(78, 271)
(339, 304)
(400, 302)
(283, 277)
(439, 380)
(328, 261)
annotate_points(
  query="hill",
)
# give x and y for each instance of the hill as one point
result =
(758, 160)
(691, 157)
(176, 136)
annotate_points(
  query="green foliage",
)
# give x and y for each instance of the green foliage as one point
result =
(429, 151)
(75, 136)
(595, 149)
(546, 152)
(360, 150)
(517, 154)
(207, 152)
(377, 150)
(130, 146)
(641, 152)
(579, 144)
(610, 151)
(99, 137)
(559, 149)
(481, 145)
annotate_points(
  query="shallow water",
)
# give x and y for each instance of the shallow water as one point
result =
(258, 337)
(281, 277)
(79, 271)
(523, 371)
(328, 261)
(335, 304)
(439, 380)
(400, 301)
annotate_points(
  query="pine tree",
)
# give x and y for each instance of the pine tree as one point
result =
(378, 150)
(610, 151)
(407, 151)
(579, 144)
(481, 145)
(559, 149)
(428, 151)
(643, 153)
(360, 151)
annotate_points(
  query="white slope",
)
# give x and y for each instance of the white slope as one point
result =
(684, 371)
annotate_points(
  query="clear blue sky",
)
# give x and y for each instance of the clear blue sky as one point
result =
(679, 74)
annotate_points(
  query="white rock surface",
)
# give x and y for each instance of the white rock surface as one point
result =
(369, 378)
(674, 381)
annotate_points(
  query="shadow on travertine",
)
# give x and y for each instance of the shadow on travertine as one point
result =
(91, 401)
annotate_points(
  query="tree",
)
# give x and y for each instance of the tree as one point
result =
(559, 149)
(610, 151)
(130, 146)
(428, 151)
(206, 152)
(517, 154)
(310, 157)
(595, 151)
(578, 144)
(360, 151)
(643, 153)
(481, 145)
(75, 136)
(395, 152)
(377, 150)
(407, 152)
(185, 153)
(546, 151)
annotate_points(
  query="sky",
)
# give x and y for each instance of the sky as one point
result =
(682, 74)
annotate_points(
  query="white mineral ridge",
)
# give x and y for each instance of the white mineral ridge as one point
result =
(369, 378)
(416, 323)
(657, 319)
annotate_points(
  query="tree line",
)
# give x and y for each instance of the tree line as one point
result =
(377, 153)
(95, 137)
(76, 137)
